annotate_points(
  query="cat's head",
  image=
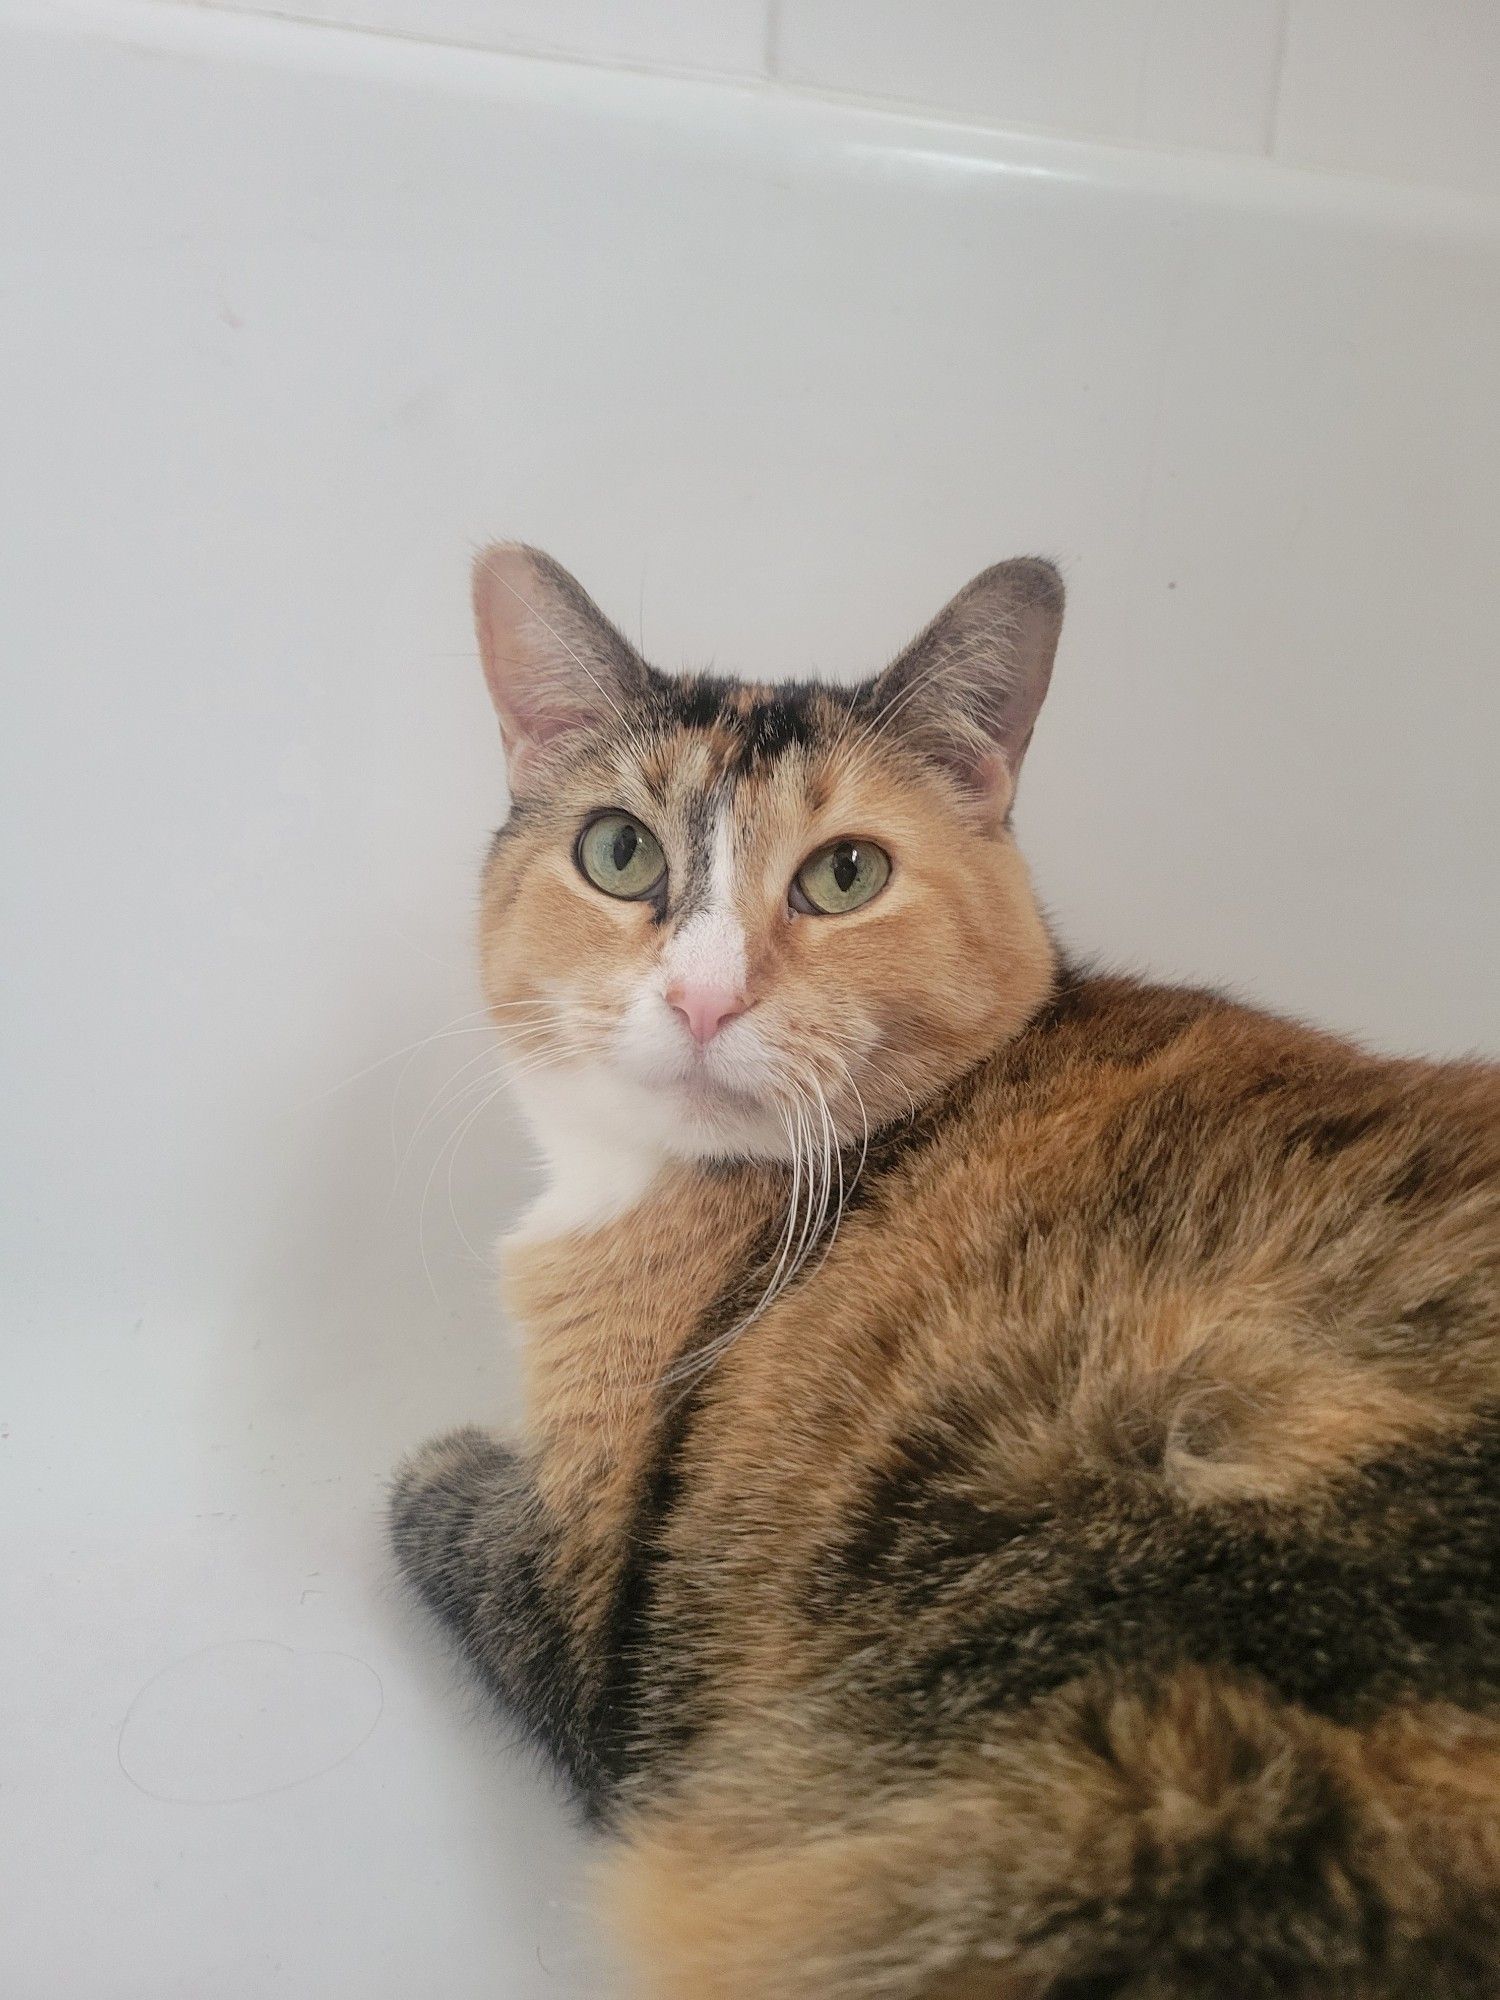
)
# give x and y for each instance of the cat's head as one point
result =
(728, 911)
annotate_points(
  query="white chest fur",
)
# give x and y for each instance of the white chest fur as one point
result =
(601, 1142)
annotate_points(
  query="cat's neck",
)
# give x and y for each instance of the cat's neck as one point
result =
(600, 1149)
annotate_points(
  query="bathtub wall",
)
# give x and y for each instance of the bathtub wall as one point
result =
(1402, 89)
(302, 313)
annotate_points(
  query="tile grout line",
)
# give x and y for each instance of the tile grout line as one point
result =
(1272, 133)
(771, 80)
(771, 52)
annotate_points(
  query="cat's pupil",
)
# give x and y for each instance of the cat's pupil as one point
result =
(845, 868)
(626, 842)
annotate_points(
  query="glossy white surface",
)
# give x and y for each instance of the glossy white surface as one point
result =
(1141, 72)
(727, 36)
(1405, 88)
(1401, 89)
(292, 318)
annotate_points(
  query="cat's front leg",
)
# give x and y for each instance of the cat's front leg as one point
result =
(471, 1534)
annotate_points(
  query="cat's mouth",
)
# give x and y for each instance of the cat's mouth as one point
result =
(713, 1108)
(722, 1097)
(701, 1088)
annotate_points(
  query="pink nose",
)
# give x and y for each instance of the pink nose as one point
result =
(705, 1008)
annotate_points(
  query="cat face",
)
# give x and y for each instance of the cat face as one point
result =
(740, 920)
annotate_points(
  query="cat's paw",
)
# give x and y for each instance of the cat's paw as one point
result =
(443, 1493)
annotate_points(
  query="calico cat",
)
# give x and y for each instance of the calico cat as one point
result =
(1010, 1501)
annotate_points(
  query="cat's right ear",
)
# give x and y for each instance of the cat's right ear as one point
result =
(555, 665)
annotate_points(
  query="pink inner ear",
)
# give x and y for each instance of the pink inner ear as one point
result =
(989, 778)
(552, 723)
(531, 721)
(526, 746)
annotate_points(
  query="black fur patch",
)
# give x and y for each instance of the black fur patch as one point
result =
(1331, 1133)
(690, 892)
(780, 723)
(1416, 1180)
(658, 1695)
(696, 702)
(636, 1669)
(1394, 1593)
(761, 731)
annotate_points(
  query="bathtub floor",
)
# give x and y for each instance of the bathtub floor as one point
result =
(250, 1768)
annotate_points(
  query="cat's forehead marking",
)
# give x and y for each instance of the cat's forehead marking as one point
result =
(699, 810)
(726, 760)
(744, 725)
(708, 945)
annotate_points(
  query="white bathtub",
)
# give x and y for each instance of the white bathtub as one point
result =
(292, 318)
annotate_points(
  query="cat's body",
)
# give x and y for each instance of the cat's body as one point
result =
(1082, 1577)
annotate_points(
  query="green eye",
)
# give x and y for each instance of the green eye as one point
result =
(620, 856)
(840, 877)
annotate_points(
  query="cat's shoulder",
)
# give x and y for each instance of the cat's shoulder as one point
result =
(1211, 1068)
(1103, 1022)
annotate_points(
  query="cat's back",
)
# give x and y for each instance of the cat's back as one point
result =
(1179, 1132)
(1175, 1326)
(1204, 1076)
(1161, 1238)
(1157, 1186)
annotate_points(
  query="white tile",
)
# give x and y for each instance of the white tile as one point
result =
(1164, 72)
(728, 36)
(1407, 89)
(1208, 75)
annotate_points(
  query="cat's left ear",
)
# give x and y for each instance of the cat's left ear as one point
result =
(968, 690)
(555, 666)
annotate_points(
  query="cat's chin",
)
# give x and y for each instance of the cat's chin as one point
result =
(600, 1118)
(700, 1116)
(696, 1110)
(719, 1122)
(714, 1098)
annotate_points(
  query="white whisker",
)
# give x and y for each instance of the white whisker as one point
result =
(381, 1062)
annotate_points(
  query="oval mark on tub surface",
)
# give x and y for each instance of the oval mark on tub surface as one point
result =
(238, 1720)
